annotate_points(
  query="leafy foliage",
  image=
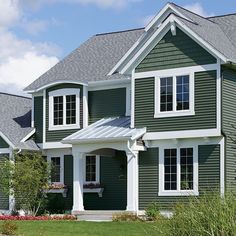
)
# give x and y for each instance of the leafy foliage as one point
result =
(125, 217)
(153, 211)
(26, 178)
(9, 228)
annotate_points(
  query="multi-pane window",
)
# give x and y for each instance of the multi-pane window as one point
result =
(170, 162)
(186, 165)
(56, 169)
(178, 170)
(58, 110)
(91, 168)
(166, 93)
(182, 92)
(70, 109)
(64, 105)
(174, 95)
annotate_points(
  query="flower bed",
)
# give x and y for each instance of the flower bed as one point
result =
(62, 217)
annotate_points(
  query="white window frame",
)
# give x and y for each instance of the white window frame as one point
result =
(160, 114)
(64, 93)
(49, 160)
(178, 192)
(97, 170)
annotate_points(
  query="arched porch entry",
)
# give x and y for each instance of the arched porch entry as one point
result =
(109, 192)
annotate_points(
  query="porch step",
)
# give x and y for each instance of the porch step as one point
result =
(97, 215)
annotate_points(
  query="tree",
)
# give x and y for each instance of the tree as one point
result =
(26, 178)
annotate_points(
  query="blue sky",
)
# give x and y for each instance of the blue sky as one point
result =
(35, 34)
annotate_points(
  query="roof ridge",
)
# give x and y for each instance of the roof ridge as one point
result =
(218, 16)
(15, 95)
(120, 31)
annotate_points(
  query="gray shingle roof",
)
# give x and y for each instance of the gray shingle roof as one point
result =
(113, 128)
(15, 119)
(92, 61)
(95, 58)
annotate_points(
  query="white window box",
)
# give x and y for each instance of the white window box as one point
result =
(99, 191)
(62, 191)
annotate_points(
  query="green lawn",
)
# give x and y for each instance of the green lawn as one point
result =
(66, 228)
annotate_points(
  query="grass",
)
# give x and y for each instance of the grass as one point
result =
(66, 228)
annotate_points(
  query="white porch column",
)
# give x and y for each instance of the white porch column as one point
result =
(78, 181)
(132, 181)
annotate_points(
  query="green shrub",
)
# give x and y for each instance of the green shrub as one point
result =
(9, 228)
(153, 211)
(206, 215)
(125, 217)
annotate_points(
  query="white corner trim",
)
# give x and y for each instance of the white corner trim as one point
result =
(174, 113)
(128, 100)
(32, 112)
(132, 100)
(178, 192)
(218, 95)
(64, 93)
(85, 106)
(7, 140)
(28, 135)
(182, 134)
(222, 167)
(44, 115)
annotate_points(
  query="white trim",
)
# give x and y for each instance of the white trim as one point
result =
(178, 192)
(182, 134)
(128, 100)
(7, 140)
(100, 87)
(53, 145)
(44, 116)
(174, 112)
(64, 93)
(132, 123)
(97, 181)
(57, 154)
(158, 35)
(28, 135)
(32, 112)
(218, 96)
(222, 167)
(5, 150)
(55, 83)
(187, 70)
(85, 106)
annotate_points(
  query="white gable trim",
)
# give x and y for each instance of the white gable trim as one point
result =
(158, 35)
(28, 136)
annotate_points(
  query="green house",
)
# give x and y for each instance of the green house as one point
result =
(137, 116)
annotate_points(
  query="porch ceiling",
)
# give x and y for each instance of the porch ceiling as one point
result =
(107, 129)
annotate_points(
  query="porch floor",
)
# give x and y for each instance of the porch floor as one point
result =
(97, 216)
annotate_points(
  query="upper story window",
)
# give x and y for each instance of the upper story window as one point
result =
(178, 171)
(64, 109)
(174, 95)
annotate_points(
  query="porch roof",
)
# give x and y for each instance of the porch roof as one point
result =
(106, 129)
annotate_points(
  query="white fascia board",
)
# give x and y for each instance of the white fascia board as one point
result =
(204, 133)
(53, 145)
(163, 14)
(93, 85)
(5, 150)
(158, 35)
(6, 139)
(28, 135)
(55, 83)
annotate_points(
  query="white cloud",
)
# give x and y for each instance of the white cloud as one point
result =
(198, 9)
(35, 27)
(21, 61)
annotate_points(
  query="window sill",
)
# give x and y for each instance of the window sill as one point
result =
(62, 191)
(99, 191)
(63, 127)
(178, 193)
(174, 114)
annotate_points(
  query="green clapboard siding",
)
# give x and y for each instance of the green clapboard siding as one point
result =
(174, 52)
(106, 103)
(38, 118)
(3, 144)
(4, 200)
(58, 135)
(68, 181)
(228, 121)
(113, 176)
(205, 106)
(209, 172)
